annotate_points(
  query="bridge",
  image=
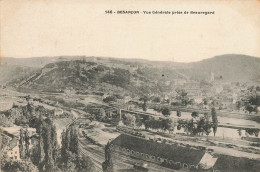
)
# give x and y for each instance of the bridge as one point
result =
(119, 111)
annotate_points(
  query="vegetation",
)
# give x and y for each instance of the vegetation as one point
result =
(71, 160)
(144, 107)
(253, 132)
(27, 143)
(101, 114)
(129, 120)
(107, 166)
(161, 124)
(120, 77)
(166, 112)
(18, 166)
(182, 96)
(79, 76)
(21, 144)
(47, 146)
(178, 113)
(214, 120)
(195, 127)
(109, 99)
(194, 114)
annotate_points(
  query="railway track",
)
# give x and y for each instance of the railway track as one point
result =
(97, 154)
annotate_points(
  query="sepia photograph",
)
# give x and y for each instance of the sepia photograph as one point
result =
(129, 86)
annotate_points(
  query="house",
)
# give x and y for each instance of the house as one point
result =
(226, 163)
(163, 154)
(11, 147)
(58, 112)
(198, 99)
(12, 150)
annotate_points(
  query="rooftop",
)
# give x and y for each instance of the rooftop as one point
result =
(172, 152)
(227, 163)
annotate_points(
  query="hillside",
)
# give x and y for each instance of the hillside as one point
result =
(9, 73)
(234, 68)
(85, 74)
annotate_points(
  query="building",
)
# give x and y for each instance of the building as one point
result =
(12, 150)
(183, 157)
(227, 163)
(58, 112)
(11, 143)
(11, 147)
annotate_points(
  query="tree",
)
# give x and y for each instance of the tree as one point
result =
(144, 99)
(191, 102)
(144, 106)
(214, 120)
(101, 114)
(21, 144)
(74, 143)
(194, 114)
(84, 164)
(129, 120)
(254, 99)
(178, 113)
(70, 157)
(138, 121)
(191, 127)
(63, 146)
(167, 124)
(54, 143)
(200, 126)
(239, 132)
(41, 153)
(256, 132)
(68, 140)
(238, 104)
(70, 144)
(205, 101)
(29, 108)
(109, 99)
(157, 100)
(166, 112)
(107, 166)
(249, 108)
(47, 147)
(27, 143)
(206, 116)
(19, 166)
(207, 127)
(182, 95)
(256, 109)
(178, 127)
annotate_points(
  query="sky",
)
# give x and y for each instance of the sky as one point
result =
(35, 28)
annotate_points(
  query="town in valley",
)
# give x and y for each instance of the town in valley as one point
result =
(80, 113)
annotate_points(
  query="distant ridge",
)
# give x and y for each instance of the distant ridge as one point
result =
(134, 73)
(230, 67)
